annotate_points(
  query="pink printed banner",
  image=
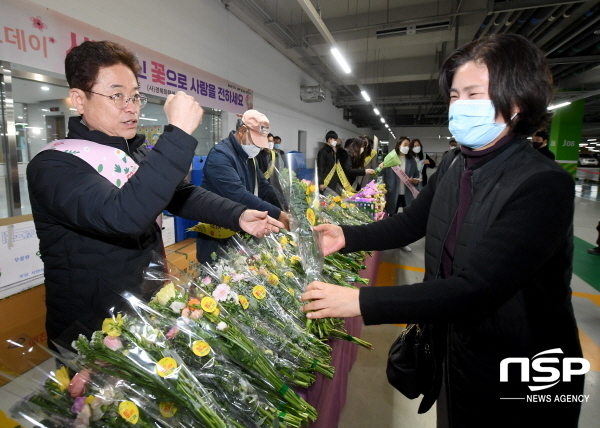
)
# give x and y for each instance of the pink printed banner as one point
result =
(35, 36)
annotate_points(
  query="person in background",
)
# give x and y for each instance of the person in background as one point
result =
(231, 171)
(334, 166)
(423, 161)
(452, 144)
(277, 146)
(348, 143)
(596, 249)
(96, 196)
(398, 196)
(539, 141)
(268, 158)
(498, 225)
(363, 156)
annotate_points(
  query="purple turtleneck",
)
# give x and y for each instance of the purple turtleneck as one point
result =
(473, 158)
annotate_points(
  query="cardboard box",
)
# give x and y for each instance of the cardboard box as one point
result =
(22, 321)
(182, 253)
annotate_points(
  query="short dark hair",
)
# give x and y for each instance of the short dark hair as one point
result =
(331, 134)
(277, 138)
(519, 77)
(270, 135)
(542, 134)
(83, 62)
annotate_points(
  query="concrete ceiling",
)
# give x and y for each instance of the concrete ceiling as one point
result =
(396, 47)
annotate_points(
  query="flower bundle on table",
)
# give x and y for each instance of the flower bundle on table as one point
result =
(374, 195)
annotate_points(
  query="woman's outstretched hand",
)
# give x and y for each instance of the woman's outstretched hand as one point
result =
(328, 300)
(331, 238)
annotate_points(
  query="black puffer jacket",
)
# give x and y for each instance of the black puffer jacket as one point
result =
(509, 294)
(94, 237)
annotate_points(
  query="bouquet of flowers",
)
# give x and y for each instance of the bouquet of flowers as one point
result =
(207, 315)
(373, 193)
(132, 349)
(390, 160)
(80, 396)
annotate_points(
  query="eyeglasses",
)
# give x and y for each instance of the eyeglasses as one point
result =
(263, 130)
(121, 101)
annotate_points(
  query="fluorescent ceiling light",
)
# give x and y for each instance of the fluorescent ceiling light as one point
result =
(592, 139)
(21, 123)
(365, 95)
(20, 117)
(148, 118)
(566, 103)
(73, 109)
(376, 111)
(45, 88)
(44, 109)
(382, 120)
(340, 59)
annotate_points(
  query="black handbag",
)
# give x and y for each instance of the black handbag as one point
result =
(411, 366)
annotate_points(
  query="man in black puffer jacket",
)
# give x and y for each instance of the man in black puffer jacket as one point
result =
(96, 236)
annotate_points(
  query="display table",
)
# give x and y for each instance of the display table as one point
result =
(328, 396)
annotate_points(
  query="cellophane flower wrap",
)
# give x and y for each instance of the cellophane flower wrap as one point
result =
(302, 198)
(131, 348)
(268, 290)
(77, 395)
(203, 312)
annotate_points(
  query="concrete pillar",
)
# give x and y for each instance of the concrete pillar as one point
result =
(565, 134)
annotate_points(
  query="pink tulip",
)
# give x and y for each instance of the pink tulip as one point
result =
(78, 383)
(113, 343)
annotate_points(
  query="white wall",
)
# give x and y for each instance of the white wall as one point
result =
(204, 34)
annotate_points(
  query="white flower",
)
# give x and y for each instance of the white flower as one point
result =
(233, 296)
(177, 306)
(221, 292)
(222, 326)
(238, 277)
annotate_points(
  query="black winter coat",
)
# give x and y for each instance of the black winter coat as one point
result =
(95, 238)
(327, 158)
(509, 294)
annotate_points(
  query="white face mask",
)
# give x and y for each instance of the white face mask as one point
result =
(250, 149)
(271, 145)
(404, 150)
(416, 149)
(361, 150)
(333, 143)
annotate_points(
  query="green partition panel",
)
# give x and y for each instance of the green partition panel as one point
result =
(565, 134)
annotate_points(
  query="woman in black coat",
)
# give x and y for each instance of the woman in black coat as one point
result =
(498, 225)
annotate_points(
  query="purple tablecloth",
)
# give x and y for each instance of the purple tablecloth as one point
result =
(328, 396)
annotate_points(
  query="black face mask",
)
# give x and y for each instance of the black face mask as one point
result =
(536, 144)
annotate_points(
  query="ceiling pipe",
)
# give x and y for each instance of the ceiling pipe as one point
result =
(485, 25)
(586, 21)
(556, 16)
(538, 18)
(510, 22)
(523, 19)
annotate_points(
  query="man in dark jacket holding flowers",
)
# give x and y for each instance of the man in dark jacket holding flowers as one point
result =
(96, 196)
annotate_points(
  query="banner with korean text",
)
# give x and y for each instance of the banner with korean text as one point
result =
(35, 36)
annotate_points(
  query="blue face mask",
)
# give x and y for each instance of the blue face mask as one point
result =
(472, 123)
(277, 146)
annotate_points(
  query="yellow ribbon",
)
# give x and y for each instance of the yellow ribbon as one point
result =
(342, 176)
(269, 171)
(212, 231)
(371, 156)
